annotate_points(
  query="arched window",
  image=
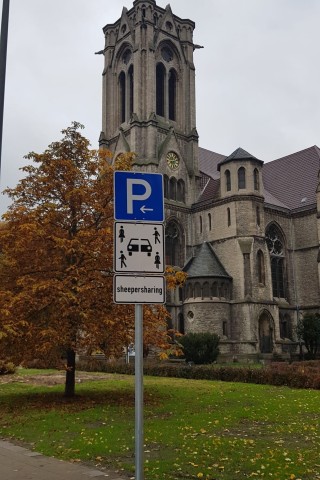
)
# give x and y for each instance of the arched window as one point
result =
(130, 74)
(228, 180)
(166, 186)
(180, 191)
(160, 89)
(228, 217)
(256, 179)
(258, 216)
(200, 223)
(122, 95)
(173, 188)
(190, 290)
(172, 84)
(209, 221)
(260, 267)
(214, 289)
(285, 326)
(173, 245)
(241, 178)
(197, 290)
(275, 245)
(225, 328)
(206, 290)
(181, 328)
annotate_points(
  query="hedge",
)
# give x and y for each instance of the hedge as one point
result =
(295, 375)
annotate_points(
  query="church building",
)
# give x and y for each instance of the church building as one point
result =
(246, 233)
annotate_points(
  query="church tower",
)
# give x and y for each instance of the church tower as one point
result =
(149, 97)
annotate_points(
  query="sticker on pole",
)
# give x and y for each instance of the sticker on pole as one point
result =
(138, 196)
(139, 289)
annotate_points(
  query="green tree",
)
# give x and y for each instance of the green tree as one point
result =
(200, 348)
(308, 330)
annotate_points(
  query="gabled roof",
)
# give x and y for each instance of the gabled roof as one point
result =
(239, 154)
(205, 264)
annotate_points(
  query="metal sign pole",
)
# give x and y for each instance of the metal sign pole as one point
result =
(139, 392)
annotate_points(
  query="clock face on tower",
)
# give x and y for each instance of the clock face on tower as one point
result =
(173, 160)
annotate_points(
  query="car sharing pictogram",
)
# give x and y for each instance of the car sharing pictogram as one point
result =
(139, 247)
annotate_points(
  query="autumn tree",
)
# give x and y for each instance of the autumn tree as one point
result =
(56, 260)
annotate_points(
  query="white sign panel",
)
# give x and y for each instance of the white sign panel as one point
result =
(139, 247)
(139, 289)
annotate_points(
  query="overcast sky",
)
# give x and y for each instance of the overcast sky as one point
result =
(257, 77)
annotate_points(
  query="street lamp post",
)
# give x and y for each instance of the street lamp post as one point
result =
(3, 62)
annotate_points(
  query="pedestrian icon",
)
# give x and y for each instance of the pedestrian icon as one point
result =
(156, 235)
(121, 233)
(139, 247)
(157, 260)
(122, 258)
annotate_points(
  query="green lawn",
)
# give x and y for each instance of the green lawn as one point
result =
(193, 429)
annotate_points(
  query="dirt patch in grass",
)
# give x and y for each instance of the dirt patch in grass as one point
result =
(50, 379)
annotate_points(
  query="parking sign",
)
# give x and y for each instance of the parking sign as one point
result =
(138, 196)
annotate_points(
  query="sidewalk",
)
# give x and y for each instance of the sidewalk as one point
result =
(18, 463)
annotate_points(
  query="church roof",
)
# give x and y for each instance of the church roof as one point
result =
(289, 182)
(293, 179)
(238, 154)
(205, 264)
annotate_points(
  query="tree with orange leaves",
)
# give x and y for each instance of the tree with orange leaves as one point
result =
(56, 270)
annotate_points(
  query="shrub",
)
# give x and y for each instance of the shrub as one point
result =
(200, 348)
(6, 367)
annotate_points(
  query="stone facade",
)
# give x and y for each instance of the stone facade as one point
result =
(248, 240)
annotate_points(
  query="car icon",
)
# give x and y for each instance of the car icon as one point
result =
(133, 246)
(139, 245)
(145, 246)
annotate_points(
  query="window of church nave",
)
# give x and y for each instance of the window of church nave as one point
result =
(256, 179)
(160, 79)
(181, 328)
(200, 224)
(166, 87)
(258, 216)
(122, 94)
(172, 87)
(180, 191)
(225, 328)
(260, 267)
(228, 180)
(173, 188)
(166, 186)
(209, 221)
(275, 245)
(206, 290)
(228, 217)
(126, 92)
(173, 245)
(197, 290)
(241, 178)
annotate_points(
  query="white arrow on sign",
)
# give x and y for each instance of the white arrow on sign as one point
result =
(144, 209)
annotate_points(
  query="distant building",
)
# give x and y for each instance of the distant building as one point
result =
(246, 233)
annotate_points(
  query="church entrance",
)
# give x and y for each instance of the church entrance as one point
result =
(265, 333)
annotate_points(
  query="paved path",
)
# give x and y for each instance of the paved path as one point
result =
(18, 463)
